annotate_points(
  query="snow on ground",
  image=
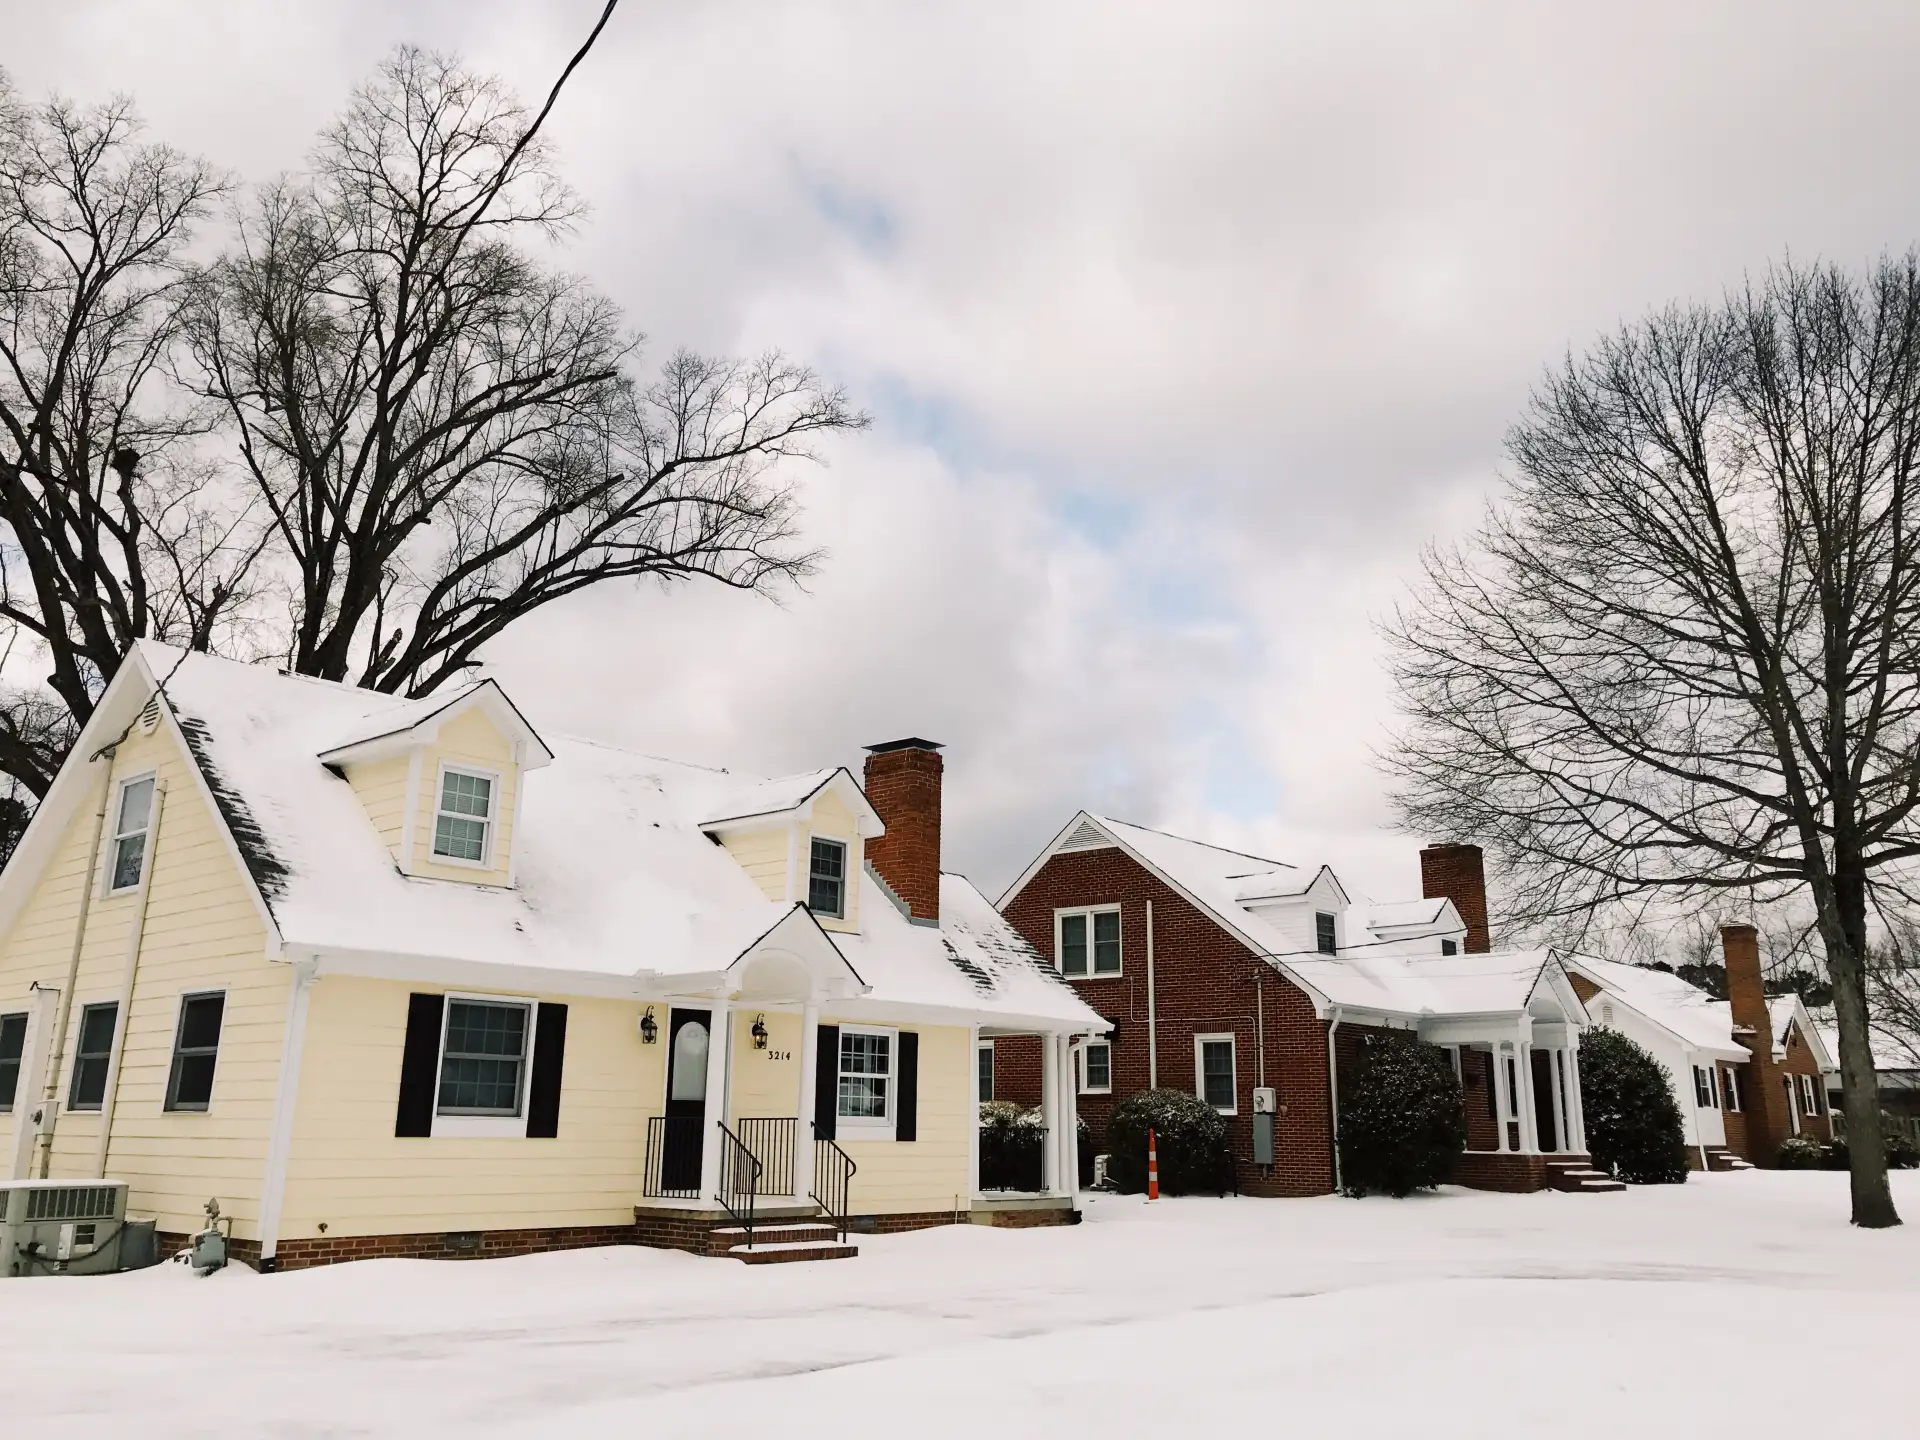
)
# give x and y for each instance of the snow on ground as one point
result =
(1653, 1313)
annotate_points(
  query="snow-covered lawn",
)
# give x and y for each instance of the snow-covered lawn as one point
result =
(1715, 1308)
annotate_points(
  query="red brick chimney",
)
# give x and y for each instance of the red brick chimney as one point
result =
(903, 785)
(1767, 1120)
(1459, 873)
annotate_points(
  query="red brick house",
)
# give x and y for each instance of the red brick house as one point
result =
(1254, 984)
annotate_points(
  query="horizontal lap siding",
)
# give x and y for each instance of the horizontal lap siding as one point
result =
(763, 855)
(928, 1173)
(203, 932)
(349, 1171)
(381, 788)
(766, 1082)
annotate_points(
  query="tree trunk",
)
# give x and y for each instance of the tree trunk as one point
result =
(1843, 925)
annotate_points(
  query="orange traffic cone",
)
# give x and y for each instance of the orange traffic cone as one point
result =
(1153, 1168)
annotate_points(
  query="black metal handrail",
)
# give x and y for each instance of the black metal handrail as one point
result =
(739, 1179)
(770, 1139)
(673, 1158)
(832, 1182)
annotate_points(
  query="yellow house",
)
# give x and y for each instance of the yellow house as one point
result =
(400, 977)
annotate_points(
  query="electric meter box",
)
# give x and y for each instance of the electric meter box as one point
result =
(1266, 1100)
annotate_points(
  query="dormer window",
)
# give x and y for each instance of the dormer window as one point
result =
(463, 824)
(827, 879)
(1449, 947)
(1323, 934)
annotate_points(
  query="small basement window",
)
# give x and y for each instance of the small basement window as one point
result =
(196, 1046)
(1096, 1067)
(483, 1060)
(130, 825)
(1324, 935)
(827, 879)
(866, 1076)
(13, 1044)
(91, 1055)
(463, 824)
(1213, 1060)
(1087, 942)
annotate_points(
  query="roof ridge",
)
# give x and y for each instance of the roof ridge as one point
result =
(1204, 844)
(569, 736)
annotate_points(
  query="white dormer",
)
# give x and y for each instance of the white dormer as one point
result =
(440, 779)
(1307, 911)
(803, 840)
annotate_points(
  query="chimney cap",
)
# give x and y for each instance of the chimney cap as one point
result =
(912, 742)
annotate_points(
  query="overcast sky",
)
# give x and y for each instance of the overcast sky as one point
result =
(1184, 327)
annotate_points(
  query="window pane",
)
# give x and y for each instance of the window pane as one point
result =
(826, 878)
(1216, 1059)
(690, 1062)
(1323, 933)
(128, 852)
(192, 1082)
(96, 1029)
(481, 1069)
(13, 1042)
(865, 1062)
(136, 803)
(1106, 943)
(986, 1072)
(1099, 1067)
(465, 794)
(460, 839)
(1073, 944)
(200, 1022)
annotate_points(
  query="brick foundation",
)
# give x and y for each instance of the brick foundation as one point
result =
(1507, 1173)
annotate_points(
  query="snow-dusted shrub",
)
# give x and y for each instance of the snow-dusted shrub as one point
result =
(1403, 1120)
(1902, 1153)
(1802, 1152)
(1633, 1121)
(1189, 1135)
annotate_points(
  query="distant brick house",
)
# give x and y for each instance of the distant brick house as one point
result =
(1255, 985)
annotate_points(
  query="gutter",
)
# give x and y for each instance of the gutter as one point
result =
(1333, 1094)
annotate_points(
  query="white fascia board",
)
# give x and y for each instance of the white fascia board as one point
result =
(487, 696)
(990, 1022)
(867, 820)
(449, 971)
(815, 944)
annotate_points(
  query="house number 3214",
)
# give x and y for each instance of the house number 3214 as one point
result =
(779, 1054)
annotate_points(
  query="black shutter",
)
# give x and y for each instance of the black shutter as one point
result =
(826, 1083)
(418, 1079)
(543, 1086)
(906, 1124)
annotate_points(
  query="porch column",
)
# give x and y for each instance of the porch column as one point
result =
(1529, 1115)
(1562, 1118)
(1503, 1099)
(719, 1042)
(1068, 1175)
(803, 1123)
(1049, 1109)
(1576, 1113)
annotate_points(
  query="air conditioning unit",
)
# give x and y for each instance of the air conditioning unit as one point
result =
(64, 1227)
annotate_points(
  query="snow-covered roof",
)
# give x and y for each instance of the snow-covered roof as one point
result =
(759, 800)
(1401, 914)
(1686, 1011)
(1894, 1052)
(1226, 883)
(1787, 1010)
(615, 878)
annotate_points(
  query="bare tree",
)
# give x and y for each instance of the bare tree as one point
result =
(448, 433)
(1682, 655)
(111, 531)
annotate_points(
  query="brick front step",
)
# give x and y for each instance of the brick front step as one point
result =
(729, 1239)
(1719, 1158)
(784, 1252)
(1578, 1177)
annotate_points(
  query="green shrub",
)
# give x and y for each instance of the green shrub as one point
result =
(1403, 1123)
(1803, 1152)
(1633, 1120)
(1902, 1153)
(1189, 1134)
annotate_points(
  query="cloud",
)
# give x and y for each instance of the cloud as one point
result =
(1184, 329)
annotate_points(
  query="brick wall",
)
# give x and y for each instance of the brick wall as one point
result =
(1206, 982)
(1800, 1061)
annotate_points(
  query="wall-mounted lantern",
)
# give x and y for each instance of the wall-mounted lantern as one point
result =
(649, 1028)
(759, 1032)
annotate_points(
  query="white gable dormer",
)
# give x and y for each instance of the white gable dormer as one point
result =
(803, 841)
(441, 780)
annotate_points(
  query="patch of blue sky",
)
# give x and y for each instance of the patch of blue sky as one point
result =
(863, 219)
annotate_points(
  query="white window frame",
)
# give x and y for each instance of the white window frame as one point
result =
(1200, 1042)
(485, 1127)
(846, 875)
(1333, 926)
(1730, 1090)
(477, 772)
(107, 887)
(25, 1017)
(1081, 1055)
(867, 1127)
(983, 1047)
(1088, 911)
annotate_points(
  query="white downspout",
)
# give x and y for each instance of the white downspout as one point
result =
(50, 1101)
(124, 1015)
(1153, 1030)
(1333, 1092)
(293, 1043)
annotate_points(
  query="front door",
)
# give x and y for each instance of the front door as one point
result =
(688, 1035)
(1543, 1115)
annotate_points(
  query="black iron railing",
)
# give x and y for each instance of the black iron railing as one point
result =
(673, 1157)
(739, 1179)
(832, 1182)
(769, 1138)
(1013, 1157)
